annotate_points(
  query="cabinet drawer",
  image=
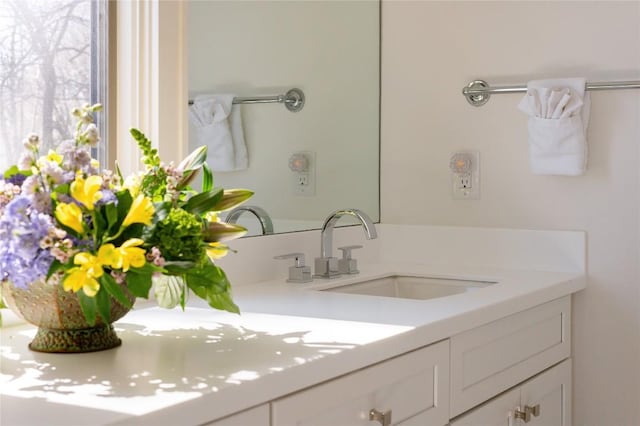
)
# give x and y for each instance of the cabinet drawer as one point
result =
(411, 384)
(492, 358)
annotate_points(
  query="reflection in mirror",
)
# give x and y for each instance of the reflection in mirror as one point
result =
(328, 49)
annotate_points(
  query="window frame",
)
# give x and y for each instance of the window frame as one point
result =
(150, 79)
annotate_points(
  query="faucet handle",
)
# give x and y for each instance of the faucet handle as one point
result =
(348, 265)
(299, 273)
(346, 251)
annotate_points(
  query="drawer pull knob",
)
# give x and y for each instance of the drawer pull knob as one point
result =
(383, 418)
(527, 413)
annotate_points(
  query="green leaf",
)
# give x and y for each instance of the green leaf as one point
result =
(139, 284)
(104, 305)
(178, 267)
(223, 302)
(124, 205)
(56, 265)
(203, 202)
(231, 198)
(111, 213)
(210, 283)
(62, 189)
(88, 306)
(100, 224)
(215, 232)
(13, 170)
(2, 305)
(195, 160)
(112, 287)
(168, 291)
(207, 178)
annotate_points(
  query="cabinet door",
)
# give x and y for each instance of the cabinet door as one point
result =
(497, 412)
(258, 416)
(551, 391)
(411, 384)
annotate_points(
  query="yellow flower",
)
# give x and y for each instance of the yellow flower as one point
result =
(133, 183)
(54, 156)
(51, 157)
(109, 255)
(87, 191)
(70, 216)
(131, 254)
(141, 211)
(123, 257)
(84, 275)
(79, 278)
(217, 251)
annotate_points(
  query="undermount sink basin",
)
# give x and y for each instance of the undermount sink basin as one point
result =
(411, 287)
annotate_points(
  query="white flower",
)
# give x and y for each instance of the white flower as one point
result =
(32, 143)
(30, 185)
(27, 159)
(92, 135)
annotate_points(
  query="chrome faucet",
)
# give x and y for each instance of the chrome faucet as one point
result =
(326, 266)
(265, 221)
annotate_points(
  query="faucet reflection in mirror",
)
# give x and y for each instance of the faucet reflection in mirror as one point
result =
(265, 220)
(326, 266)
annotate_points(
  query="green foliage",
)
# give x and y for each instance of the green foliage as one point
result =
(232, 198)
(204, 202)
(89, 307)
(178, 236)
(109, 284)
(216, 232)
(150, 157)
(210, 283)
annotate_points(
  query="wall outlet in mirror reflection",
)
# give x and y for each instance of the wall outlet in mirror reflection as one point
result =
(303, 169)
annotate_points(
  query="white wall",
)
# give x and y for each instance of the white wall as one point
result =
(328, 49)
(430, 50)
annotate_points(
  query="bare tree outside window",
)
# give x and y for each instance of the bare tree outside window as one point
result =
(45, 70)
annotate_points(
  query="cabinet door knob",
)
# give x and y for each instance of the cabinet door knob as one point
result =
(527, 413)
(383, 418)
(535, 410)
(523, 415)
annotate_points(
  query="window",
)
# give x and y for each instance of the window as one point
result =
(52, 58)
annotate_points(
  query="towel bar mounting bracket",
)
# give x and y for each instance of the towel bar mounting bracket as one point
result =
(476, 99)
(294, 100)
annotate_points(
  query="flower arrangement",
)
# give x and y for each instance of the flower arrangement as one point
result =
(102, 236)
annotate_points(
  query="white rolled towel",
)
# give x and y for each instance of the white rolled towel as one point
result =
(558, 111)
(218, 125)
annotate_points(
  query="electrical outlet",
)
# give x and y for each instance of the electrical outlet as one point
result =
(303, 166)
(465, 175)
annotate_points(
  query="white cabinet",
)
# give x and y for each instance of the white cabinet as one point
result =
(544, 400)
(407, 390)
(258, 416)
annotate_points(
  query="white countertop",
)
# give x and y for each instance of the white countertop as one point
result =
(191, 367)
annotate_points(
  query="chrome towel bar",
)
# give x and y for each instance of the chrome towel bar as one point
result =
(293, 100)
(478, 92)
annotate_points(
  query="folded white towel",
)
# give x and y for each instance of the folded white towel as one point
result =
(558, 112)
(218, 125)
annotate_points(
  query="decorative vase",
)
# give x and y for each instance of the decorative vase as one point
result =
(62, 327)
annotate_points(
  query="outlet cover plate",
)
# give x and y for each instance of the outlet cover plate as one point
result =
(466, 186)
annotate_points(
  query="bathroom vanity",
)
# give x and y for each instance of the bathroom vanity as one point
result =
(312, 354)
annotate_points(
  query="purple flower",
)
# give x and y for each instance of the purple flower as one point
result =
(22, 260)
(17, 179)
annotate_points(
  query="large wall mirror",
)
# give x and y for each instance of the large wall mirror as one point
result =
(329, 50)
